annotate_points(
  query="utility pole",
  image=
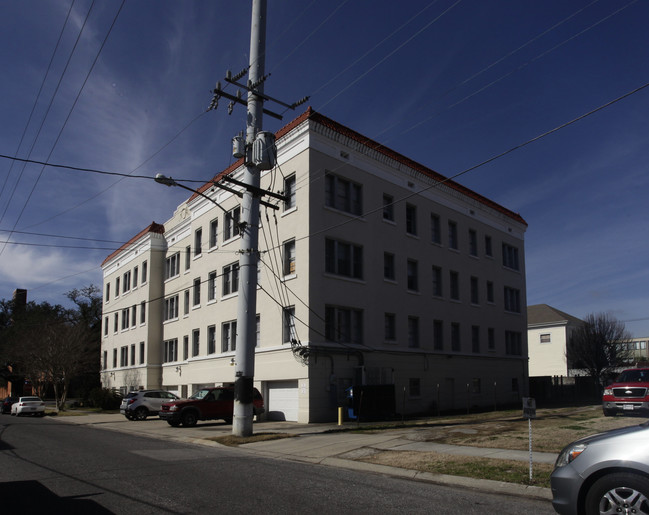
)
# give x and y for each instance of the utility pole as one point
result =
(244, 368)
(259, 154)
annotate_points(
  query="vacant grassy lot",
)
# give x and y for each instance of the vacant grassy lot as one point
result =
(551, 431)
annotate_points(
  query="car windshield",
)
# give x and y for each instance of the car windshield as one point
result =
(200, 394)
(28, 399)
(634, 376)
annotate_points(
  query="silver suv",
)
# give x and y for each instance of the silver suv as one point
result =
(604, 473)
(140, 404)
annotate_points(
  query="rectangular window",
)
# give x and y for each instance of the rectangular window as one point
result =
(186, 297)
(491, 338)
(435, 229)
(197, 291)
(411, 219)
(473, 242)
(344, 259)
(198, 241)
(343, 194)
(438, 335)
(214, 232)
(230, 279)
(127, 281)
(414, 387)
(107, 292)
(211, 339)
(510, 257)
(475, 292)
(172, 266)
(513, 343)
(388, 207)
(105, 361)
(452, 235)
(289, 192)
(114, 358)
(488, 247)
(545, 338)
(171, 308)
(133, 315)
(390, 331)
(288, 258)
(454, 278)
(512, 300)
(135, 276)
(123, 356)
(288, 325)
(343, 325)
(413, 332)
(141, 353)
(229, 336)
(389, 271)
(231, 225)
(144, 272)
(475, 338)
(211, 286)
(490, 292)
(117, 287)
(142, 312)
(412, 269)
(132, 354)
(185, 348)
(125, 318)
(196, 342)
(116, 323)
(106, 324)
(455, 337)
(476, 385)
(437, 281)
(170, 350)
(188, 257)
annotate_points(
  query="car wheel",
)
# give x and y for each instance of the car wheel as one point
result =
(141, 413)
(173, 423)
(609, 412)
(189, 418)
(621, 492)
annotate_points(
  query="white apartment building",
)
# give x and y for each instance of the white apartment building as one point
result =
(377, 270)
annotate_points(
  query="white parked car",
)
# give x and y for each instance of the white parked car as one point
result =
(28, 406)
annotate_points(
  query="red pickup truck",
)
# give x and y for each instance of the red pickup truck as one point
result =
(206, 404)
(628, 394)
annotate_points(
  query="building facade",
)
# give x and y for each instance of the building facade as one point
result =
(375, 271)
(549, 331)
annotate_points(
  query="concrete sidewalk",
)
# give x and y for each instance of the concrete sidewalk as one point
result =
(331, 445)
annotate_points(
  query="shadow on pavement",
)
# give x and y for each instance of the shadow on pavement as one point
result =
(31, 497)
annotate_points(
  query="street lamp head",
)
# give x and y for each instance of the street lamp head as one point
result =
(163, 179)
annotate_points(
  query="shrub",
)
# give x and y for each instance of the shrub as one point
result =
(105, 398)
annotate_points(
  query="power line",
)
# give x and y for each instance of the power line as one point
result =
(31, 114)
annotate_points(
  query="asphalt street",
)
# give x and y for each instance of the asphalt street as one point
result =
(46, 464)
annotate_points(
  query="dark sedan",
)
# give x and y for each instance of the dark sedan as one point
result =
(6, 404)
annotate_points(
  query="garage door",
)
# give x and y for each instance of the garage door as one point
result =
(282, 400)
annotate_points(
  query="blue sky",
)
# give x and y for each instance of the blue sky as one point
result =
(448, 83)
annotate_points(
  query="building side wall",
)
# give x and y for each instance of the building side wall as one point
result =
(548, 357)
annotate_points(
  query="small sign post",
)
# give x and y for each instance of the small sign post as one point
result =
(529, 412)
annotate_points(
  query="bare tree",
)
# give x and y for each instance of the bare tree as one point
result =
(599, 347)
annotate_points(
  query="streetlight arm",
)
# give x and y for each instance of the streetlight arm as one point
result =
(168, 181)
